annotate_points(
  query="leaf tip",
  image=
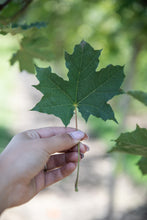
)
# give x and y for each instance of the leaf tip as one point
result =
(137, 126)
(36, 68)
(83, 43)
(114, 119)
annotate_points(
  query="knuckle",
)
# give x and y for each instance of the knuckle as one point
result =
(32, 134)
(68, 140)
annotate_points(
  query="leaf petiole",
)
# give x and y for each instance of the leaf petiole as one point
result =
(78, 167)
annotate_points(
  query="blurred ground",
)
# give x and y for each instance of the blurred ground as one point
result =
(94, 200)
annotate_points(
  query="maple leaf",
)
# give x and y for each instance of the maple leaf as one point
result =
(87, 90)
(134, 142)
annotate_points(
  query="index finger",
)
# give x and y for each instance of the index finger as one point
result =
(52, 131)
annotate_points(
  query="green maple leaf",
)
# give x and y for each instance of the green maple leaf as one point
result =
(87, 90)
(134, 142)
(143, 165)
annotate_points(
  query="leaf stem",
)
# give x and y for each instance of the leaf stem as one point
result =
(78, 167)
(76, 118)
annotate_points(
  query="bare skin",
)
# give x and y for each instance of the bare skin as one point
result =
(23, 160)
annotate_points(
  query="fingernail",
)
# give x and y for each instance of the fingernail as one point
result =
(86, 137)
(77, 135)
(87, 148)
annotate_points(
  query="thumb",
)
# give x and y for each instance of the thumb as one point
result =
(61, 142)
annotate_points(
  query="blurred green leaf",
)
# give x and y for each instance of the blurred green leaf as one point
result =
(139, 95)
(134, 142)
(25, 61)
(143, 165)
(28, 26)
(15, 28)
(31, 47)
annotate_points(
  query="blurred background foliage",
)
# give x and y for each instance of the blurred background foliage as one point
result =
(32, 31)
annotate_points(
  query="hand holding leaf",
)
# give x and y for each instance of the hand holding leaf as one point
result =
(87, 90)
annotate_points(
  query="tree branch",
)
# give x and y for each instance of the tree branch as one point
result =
(4, 4)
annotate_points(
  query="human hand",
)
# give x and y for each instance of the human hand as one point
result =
(23, 160)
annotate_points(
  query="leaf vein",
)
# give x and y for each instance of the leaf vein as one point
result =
(59, 89)
(94, 90)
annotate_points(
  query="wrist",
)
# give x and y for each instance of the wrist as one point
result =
(3, 186)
